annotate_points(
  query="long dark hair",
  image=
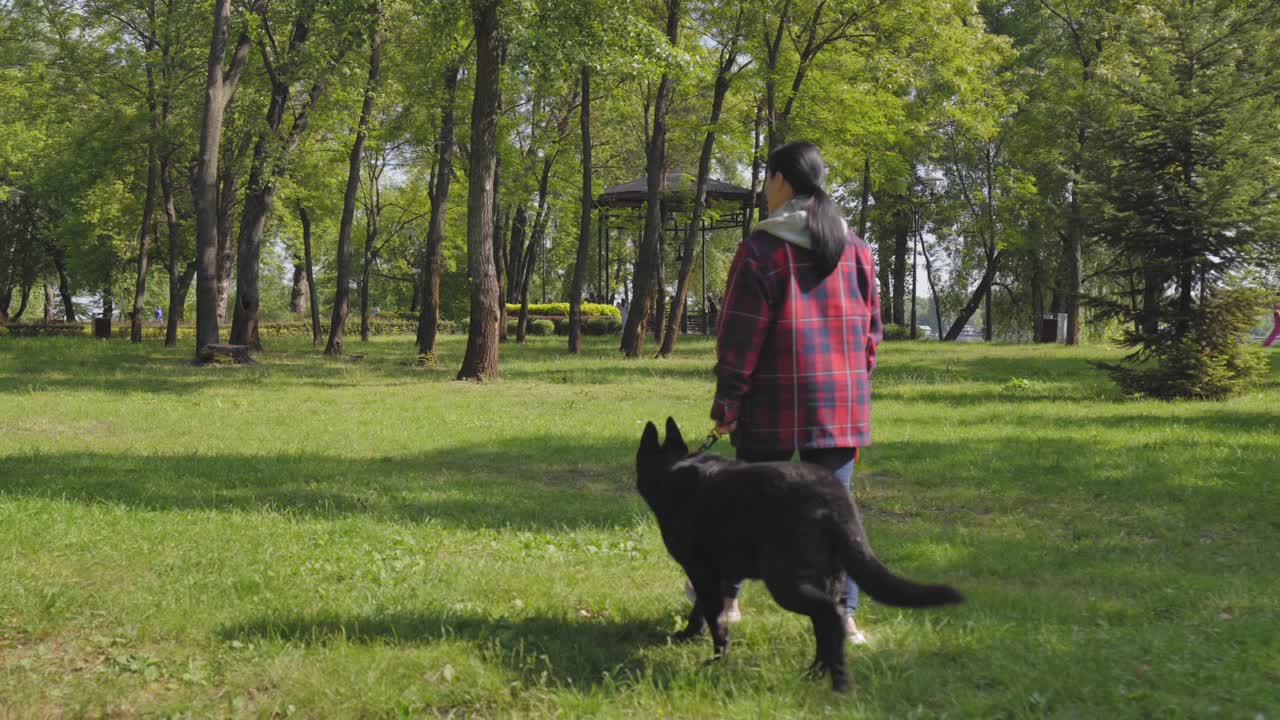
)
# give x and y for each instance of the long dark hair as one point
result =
(801, 166)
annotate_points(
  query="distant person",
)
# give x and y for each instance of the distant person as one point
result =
(711, 314)
(622, 308)
(159, 314)
(1275, 330)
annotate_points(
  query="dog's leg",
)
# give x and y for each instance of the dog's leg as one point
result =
(811, 597)
(707, 586)
(693, 626)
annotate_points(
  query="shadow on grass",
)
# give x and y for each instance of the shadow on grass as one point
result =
(533, 483)
(570, 653)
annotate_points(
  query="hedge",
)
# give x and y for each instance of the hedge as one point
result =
(552, 311)
(42, 329)
(377, 326)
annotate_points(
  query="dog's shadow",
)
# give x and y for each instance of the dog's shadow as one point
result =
(536, 647)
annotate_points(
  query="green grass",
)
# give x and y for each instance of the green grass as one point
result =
(334, 539)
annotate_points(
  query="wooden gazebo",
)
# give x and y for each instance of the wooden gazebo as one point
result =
(731, 206)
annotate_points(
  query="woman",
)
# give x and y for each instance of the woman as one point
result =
(799, 325)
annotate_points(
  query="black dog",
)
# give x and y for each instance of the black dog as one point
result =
(792, 525)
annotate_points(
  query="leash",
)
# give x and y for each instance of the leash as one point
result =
(711, 440)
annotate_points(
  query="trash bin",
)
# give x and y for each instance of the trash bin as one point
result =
(102, 328)
(1048, 329)
(1053, 328)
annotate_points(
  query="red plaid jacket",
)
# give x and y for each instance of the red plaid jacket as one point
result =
(795, 353)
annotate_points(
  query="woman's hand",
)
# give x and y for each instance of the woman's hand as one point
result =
(726, 429)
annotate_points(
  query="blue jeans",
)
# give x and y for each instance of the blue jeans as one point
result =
(840, 462)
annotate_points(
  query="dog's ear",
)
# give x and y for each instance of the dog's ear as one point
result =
(649, 441)
(674, 440)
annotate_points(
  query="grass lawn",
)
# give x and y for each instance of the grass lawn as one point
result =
(318, 538)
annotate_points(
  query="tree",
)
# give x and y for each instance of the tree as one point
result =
(342, 298)
(583, 255)
(727, 65)
(219, 90)
(1190, 190)
(648, 262)
(481, 360)
(295, 62)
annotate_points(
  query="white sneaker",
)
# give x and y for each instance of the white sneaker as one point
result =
(856, 636)
(732, 616)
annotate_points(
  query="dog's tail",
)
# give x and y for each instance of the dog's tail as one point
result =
(879, 581)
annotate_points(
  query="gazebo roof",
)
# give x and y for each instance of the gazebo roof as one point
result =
(679, 187)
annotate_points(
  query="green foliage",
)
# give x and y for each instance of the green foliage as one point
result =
(542, 327)
(57, 329)
(894, 332)
(377, 326)
(561, 310)
(1214, 361)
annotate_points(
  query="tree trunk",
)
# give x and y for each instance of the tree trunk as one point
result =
(757, 164)
(177, 303)
(1152, 290)
(866, 198)
(481, 360)
(228, 189)
(432, 262)
(499, 230)
(645, 281)
(536, 240)
(342, 299)
(253, 223)
(176, 299)
(219, 89)
(678, 303)
(584, 221)
(370, 239)
(298, 295)
(313, 294)
(148, 213)
(48, 304)
(660, 282)
(1073, 257)
(988, 332)
(516, 253)
(59, 257)
(975, 300)
(1037, 293)
(24, 296)
(933, 290)
(901, 241)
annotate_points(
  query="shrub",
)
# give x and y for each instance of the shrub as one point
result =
(542, 327)
(896, 332)
(43, 330)
(1212, 361)
(513, 326)
(561, 310)
(602, 326)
